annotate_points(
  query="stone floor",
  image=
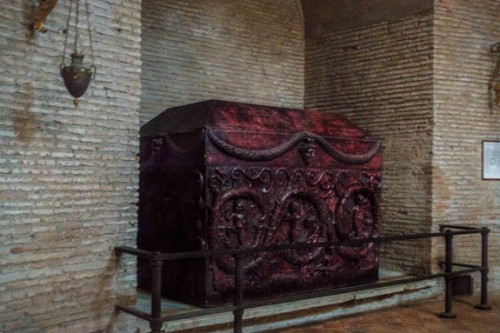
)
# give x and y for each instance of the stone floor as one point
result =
(415, 318)
(283, 315)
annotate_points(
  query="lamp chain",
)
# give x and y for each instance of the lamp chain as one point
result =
(63, 60)
(76, 24)
(92, 66)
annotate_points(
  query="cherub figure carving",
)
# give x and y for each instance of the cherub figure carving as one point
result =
(244, 226)
(239, 221)
(300, 225)
(357, 223)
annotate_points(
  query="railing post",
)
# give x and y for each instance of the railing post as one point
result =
(484, 272)
(448, 314)
(156, 267)
(238, 296)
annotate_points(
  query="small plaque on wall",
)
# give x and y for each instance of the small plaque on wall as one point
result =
(491, 160)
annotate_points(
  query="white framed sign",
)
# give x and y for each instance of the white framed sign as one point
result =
(491, 160)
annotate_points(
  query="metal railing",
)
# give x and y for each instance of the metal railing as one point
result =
(156, 259)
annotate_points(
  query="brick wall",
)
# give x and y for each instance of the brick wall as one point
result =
(245, 50)
(68, 177)
(380, 77)
(464, 33)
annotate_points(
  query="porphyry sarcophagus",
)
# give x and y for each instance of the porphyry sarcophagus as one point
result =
(220, 174)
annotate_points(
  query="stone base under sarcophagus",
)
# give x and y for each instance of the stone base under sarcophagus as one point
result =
(220, 174)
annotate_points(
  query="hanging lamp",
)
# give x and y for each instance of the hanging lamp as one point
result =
(76, 75)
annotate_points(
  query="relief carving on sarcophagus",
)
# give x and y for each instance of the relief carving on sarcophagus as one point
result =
(224, 175)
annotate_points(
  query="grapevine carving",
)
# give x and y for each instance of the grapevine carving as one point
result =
(277, 206)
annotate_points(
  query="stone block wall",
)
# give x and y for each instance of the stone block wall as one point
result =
(68, 176)
(380, 77)
(463, 66)
(245, 50)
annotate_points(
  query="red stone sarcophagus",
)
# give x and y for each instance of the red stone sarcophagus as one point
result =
(220, 174)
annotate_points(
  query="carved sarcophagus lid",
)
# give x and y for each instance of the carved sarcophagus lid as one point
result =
(220, 174)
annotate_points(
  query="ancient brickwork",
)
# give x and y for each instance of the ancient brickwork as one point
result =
(246, 50)
(463, 65)
(68, 176)
(380, 77)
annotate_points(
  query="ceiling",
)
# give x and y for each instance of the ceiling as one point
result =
(324, 16)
